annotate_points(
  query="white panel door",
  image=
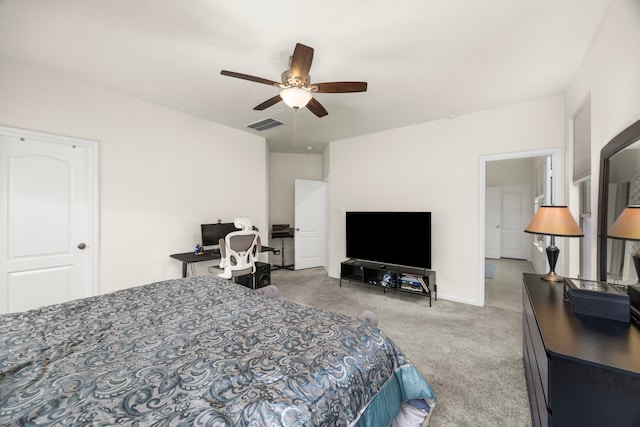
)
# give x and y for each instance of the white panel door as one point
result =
(516, 207)
(46, 216)
(310, 238)
(492, 222)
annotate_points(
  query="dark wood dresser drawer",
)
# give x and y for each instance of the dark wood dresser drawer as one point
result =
(535, 365)
(538, 349)
(580, 370)
(534, 387)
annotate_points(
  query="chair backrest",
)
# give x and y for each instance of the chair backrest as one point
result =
(239, 250)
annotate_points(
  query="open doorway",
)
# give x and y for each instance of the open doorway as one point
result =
(504, 237)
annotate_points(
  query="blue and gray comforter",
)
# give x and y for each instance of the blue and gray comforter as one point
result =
(198, 351)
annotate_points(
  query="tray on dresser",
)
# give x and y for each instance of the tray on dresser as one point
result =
(595, 298)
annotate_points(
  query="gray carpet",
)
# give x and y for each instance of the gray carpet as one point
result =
(471, 356)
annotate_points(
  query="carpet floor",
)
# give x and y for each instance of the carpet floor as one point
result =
(471, 356)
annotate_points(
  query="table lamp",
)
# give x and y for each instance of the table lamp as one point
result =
(553, 221)
(627, 227)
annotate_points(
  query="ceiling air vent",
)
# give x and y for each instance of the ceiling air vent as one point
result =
(264, 124)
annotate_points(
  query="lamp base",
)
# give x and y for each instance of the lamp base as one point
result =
(552, 257)
(552, 277)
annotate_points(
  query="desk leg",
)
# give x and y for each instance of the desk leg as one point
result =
(282, 253)
(278, 267)
(184, 269)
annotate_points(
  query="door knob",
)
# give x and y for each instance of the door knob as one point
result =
(81, 245)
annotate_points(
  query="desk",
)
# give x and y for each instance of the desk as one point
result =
(282, 236)
(208, 255)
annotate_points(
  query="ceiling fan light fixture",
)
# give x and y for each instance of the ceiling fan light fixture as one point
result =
(295, 97)
(295, 85)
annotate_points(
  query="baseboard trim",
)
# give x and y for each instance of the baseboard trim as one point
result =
(456, 299)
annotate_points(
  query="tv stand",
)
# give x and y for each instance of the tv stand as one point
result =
(417, 281)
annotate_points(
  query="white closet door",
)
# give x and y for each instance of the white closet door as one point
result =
(310, 239)
(46, 215)
(516, 208)
(492, 221)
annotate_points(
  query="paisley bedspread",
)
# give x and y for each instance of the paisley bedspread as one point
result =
(198, 351)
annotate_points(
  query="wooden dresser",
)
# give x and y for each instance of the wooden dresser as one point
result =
(580, 370)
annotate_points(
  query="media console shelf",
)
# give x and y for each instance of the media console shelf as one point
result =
(417, 281)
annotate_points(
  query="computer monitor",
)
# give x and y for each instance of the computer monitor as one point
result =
(212, 233)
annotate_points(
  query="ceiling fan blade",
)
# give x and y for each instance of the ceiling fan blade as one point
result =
(301, 61)
(340, 87)
(268, 103)
(316, 108)
(250, 78)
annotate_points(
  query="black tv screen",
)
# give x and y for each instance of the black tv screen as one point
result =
(400, 238)
(212, 233)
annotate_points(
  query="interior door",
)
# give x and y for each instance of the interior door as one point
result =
(310, 238)
(516, 206)
(46, 215)
(492, 222)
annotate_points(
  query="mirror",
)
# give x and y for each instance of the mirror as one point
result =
(619, 187)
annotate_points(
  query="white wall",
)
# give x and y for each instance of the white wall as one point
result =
(284, 169)
(509, 172)
(434, 167)
(610, 73)
(161, 172)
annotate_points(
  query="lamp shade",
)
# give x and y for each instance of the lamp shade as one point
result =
(627, 226)
(554, 221)
(295, 97)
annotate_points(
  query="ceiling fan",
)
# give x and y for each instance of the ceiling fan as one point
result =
(296, 87)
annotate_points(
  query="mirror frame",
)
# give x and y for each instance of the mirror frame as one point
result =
(625, 138)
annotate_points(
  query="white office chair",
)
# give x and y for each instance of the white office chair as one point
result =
(239, 250)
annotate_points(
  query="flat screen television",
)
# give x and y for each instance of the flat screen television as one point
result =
(212, 233)
(399, 238)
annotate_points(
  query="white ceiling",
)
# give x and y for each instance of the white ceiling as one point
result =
(423, 59)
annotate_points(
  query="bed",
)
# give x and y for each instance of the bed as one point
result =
(199, 351)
